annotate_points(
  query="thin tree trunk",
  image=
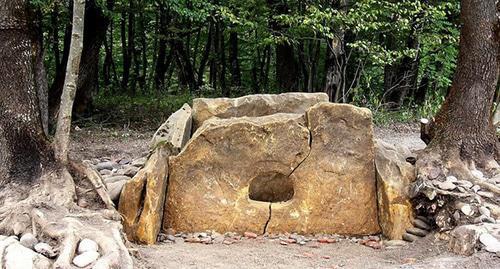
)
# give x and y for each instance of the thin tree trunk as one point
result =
(206, 55)
(125, 52)
(61, 138)
(222, 62)
(233, 59)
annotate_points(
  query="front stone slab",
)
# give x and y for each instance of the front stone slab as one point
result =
(335, 187)
(225, 163)
(278, 173)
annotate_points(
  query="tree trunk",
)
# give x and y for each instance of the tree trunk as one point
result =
(462, 135)
(96, 25)
(233, 59)
(61, 141)
(23, 145)
(205, 56)
(463, 123)
(38, 193)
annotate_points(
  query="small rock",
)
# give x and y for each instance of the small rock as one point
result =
(466, 184)
(395, 243)
(447, 185)
(451, 179)
(85, 259)
(467, 210)
(410, 237)
(490, 242)
(105, 172)
(372, 244)
(109, 165)
(192, 240)
(123, 162)
(82, 202)
(250, 235)
(326, 257)
(115, 189)
(87, 245)
(283, 243)
(485, 211)
(28, 240)
(17, 256)
(326, 240)
(139, 162)
(45, 249)
(114, 179)
(434, 173)
(476, 188)
(171, 238)
(228, 242)
(417, 231)
(477, 173)
(486, 194)
(421, 224)
(130, 170)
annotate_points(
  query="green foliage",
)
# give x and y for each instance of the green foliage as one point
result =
(372, 35)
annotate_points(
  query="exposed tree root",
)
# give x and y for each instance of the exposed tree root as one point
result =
(93, 176)
(464, 200)
(47, 209)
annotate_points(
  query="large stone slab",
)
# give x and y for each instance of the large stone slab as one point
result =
(279, 172)
(335, 187)
(143, 197)
(253, 105)
(210, 180)
(394, 176)
(176, 130)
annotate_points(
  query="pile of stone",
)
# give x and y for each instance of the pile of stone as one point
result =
(115, 173)
(28, 252)
(468, 207)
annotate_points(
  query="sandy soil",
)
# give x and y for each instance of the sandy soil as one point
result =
(427, 253)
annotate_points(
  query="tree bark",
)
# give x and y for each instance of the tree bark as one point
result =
(233, 59)
(96, 25)
(463, 124)
(23, 145)
(61, 142)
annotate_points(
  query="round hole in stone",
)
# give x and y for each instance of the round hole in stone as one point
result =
(271, 187)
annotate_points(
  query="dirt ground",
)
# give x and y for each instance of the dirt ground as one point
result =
(98, 142)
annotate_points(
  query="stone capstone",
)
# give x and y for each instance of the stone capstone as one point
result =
(253, 106)
(305, 173)
(394, 176)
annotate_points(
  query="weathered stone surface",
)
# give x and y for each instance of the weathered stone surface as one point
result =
(394, 176)
(18, 256)
(142, 198)
(28, 240)
(87, 245)
(143, 213)
(232, 169)
(335, 186)
(209, 184)
(464, 239)
(253, 105)
(176, 130)
(85, 259)
(115, 189)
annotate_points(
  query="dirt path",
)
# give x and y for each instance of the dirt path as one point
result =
(260, 253)
(265, 253)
